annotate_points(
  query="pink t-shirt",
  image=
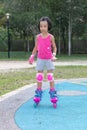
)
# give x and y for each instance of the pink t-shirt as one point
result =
(44, 47)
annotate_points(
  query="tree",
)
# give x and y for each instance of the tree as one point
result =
(25, 16)
(68, 17)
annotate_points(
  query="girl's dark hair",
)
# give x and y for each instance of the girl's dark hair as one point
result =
(45, 18)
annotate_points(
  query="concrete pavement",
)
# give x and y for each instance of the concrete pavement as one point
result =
(10, 102)
(12, 65)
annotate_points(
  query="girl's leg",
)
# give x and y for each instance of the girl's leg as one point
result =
(50, 78)
(38, 91)
(39, 77)
(52, 92)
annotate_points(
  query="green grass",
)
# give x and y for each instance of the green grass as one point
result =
(14, 55)
(10, 81)
(72, 57)
(25, 56)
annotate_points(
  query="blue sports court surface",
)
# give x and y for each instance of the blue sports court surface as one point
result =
(70, 114)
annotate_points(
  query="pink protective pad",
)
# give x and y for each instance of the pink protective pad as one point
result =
(31, 59)
(37, 99)
(39, 77)
(54, 100)
(50, 77)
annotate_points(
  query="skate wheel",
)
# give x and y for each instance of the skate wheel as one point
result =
(35, 104)
(54, 105)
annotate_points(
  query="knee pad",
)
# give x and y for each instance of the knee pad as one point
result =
(39, 77)
(50, 77)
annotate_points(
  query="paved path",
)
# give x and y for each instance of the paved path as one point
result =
(70, 114)
(11, 65)
(10, 102)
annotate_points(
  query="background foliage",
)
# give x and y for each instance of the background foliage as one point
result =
(26, 13)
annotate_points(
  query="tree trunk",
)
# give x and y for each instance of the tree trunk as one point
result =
(69, 36)
(59, 48)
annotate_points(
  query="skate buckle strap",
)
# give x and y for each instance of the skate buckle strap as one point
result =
(38, 93)
(53, 94)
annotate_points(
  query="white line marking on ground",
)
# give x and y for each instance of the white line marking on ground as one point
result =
(79, 83)
(71, 93)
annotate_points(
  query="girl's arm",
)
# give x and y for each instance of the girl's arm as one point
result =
(35, 47)
(53, 45)
(31, 59)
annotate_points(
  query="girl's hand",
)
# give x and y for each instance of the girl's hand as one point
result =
(54, 58)
(31, 59)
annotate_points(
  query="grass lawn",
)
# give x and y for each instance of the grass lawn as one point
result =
(25, 56)
(12, 80)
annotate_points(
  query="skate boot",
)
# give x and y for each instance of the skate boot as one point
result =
(53, 97)
(37, 97)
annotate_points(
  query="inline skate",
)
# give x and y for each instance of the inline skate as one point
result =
(53, 97)
(37, 97)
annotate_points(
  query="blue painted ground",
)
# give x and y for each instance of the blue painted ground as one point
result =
(70, 114)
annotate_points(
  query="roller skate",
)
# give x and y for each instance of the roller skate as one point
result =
(53, 97)
(37, 97)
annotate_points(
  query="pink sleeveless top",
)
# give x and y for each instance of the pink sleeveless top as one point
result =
(44, 47)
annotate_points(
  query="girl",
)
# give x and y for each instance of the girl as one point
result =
(43, 44)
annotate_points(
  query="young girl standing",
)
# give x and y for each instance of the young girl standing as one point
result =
(44, 43)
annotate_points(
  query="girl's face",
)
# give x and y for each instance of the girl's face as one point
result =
(43, 26)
